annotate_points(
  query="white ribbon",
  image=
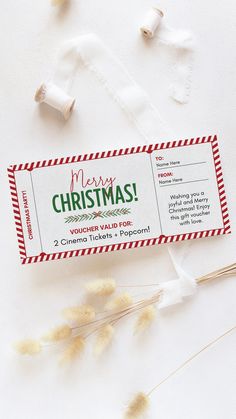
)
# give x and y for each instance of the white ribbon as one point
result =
(174, 291)
(180, 44)
(90, 52)
(183, 44)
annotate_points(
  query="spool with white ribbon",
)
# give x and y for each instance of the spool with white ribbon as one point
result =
(179, 40)
(151, 23)
(55, 97)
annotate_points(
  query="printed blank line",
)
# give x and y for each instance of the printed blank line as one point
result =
(181, 165)
(182, 183)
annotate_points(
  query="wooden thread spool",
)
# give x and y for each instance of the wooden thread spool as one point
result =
(151, 23)
(55, 97)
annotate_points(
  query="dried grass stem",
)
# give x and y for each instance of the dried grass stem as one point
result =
(114, 317)
(213, 342)
(223, 272)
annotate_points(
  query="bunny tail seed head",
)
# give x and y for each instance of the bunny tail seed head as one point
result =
(101, 287)
(74, 349)
(81, 314)
(57, 2)
(137, 407)
(120, 302)
(28, 347)
(145, 318)
(57, 334)
(104, 338)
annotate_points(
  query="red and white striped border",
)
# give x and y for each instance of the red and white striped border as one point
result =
(220, 182)
(17, 215)
(122, 246)
(111, 153)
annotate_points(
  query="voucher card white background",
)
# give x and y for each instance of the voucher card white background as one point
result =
(70, 205)
(31, 297)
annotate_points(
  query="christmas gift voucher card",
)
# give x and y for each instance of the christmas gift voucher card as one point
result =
(113, 200)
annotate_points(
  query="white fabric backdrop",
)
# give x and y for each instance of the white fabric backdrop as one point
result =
(32, 297)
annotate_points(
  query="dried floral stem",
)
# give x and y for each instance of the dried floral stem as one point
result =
(140, 402)
(86, 323)
(226, 271)
(191, 359)
(114, 317)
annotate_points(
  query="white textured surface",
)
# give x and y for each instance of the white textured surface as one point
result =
(32, 297)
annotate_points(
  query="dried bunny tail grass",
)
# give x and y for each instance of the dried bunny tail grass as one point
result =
(104, 338)
(137, 406)
(28, 347)
(225, 271)
(121, 301)
(189, 360)
(81, 314)
(146, 317)
(101, 287)
(57, 334)
(74, 349)
(57, 2)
